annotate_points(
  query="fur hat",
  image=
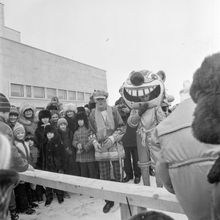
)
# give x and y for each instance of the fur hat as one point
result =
(14, 111)
(80, 109)
(62, 121)
(18, 128)
(44, 114)
(205, 92)
(29, 136)
(69, 107)
(49, 129)
(81, 116)
(100, 94)
(4, 103)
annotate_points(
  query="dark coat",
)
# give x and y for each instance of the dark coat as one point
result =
(52, 155)
(69, 151)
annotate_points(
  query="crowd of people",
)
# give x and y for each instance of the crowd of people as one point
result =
(92, 140)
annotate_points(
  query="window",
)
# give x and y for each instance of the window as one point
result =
(17, 90)
(28, 91)
(80, 96)
(39, 92)
(87, 97)
(62, 94)
(72, 95)
(51, 93)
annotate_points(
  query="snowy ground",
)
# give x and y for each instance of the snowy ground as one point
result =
(80, 207)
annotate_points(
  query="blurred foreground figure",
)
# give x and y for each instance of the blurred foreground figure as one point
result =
(205, 92)
(8, 178)
(151, 215)
(183, 161)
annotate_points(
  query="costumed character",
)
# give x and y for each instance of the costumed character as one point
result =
(144, 92)
(205, 92)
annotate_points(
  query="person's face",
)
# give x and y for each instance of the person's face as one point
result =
(20, 135)
(45, 120)
(28, 113)
(80, 123)
(101, 103)
(54, 118)
(63, 127)
(50, 135)
(13, 118)
(30, 143)
(70, 114)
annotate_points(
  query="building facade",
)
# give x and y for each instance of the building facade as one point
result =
(28, 74)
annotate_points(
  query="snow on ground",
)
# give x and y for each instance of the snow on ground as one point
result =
(83, 208)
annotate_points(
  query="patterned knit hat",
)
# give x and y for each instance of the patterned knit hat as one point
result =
(18, 128)
(13, 111)
(4, 104)
(62, 121)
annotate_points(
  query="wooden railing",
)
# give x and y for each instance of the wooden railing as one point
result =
(137, 196)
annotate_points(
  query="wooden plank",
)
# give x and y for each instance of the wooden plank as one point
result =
(137, 195)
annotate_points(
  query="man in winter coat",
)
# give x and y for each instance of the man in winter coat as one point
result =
(108, 127)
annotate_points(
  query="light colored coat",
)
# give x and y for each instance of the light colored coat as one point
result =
(188, 161)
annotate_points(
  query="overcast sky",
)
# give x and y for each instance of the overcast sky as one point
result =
(122, 35)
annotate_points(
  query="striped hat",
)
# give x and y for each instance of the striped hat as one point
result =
(4, 104)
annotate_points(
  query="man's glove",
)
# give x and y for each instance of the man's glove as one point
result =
(142, 109)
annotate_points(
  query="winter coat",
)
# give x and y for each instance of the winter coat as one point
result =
(82, 136)
(187, 159)
(114, 134)
(30, 125)
(23, 149)
(52, 155)
(130, 137)
(18, 163)
(39, 134)
(69, 151)
(72, 123)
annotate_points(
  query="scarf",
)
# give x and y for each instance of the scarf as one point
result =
(104, 124)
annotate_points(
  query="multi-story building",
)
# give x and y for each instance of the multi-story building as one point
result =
(28, 74)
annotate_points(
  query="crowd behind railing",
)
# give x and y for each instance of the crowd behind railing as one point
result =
(95, 141)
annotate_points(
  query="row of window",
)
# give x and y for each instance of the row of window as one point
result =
(18, 90)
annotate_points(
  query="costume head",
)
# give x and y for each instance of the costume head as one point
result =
(143, 87)
(205, 92)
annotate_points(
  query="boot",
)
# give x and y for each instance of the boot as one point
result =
(14, 215)
(108, 206)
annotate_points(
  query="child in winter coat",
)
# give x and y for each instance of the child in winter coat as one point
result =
(51, 159)
(36, 192)
(23, 201)
(66, 135)
(82, 141)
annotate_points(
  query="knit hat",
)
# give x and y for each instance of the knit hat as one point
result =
(49, 129)
(13, 111)
(100, 94)
(44, 114)
(62, 121)
(4, 104)
(18, 128)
